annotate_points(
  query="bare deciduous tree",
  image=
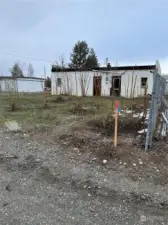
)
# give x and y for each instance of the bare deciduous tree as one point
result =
(30, 70)
(84, 81)
(61, 62)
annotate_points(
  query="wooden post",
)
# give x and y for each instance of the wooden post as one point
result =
(115, 124)
(145, 101)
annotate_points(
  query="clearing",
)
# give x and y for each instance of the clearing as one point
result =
(62, 168)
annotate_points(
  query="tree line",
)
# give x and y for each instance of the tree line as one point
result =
(17, 70)
(81, 57)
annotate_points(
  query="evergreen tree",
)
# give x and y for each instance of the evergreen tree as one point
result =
(92, 60)
(16, 71)
(79, 55)
(83, 57)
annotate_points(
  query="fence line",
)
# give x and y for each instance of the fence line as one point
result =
(158, 114)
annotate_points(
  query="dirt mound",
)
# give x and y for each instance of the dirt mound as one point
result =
(106, 125)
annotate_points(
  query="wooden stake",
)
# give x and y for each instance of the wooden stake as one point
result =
(115, 128)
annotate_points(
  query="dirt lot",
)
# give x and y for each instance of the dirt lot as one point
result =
(62, 168)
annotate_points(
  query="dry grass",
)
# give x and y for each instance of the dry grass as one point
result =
(32, 112)
(31, 108)
(86, 125)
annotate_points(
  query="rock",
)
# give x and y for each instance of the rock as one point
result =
(12, 125)
(140, 162)
(94, 159)
(143, 218)
(104, 161)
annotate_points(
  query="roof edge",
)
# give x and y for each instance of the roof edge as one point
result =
(15, 78)
(141, 67)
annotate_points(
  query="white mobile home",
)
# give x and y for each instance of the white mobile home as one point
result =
(21, 84)
(126, 81)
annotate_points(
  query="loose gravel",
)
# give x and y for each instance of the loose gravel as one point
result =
(44, 183)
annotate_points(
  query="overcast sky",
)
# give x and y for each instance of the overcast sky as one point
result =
(127, 31)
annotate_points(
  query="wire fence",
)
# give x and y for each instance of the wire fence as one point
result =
(158, 113)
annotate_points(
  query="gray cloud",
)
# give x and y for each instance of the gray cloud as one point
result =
(121, 30)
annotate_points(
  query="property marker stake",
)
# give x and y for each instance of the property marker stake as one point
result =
(115, 128)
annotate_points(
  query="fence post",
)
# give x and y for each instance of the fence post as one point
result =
(151, 113)
(158, 107)
(155, 107)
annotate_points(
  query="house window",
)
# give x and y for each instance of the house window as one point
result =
(59, 82)
(144, 81)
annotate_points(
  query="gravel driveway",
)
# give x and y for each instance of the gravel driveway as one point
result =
(41, 183)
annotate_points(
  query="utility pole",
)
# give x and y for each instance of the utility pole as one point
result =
(44, 72)
(106, 61)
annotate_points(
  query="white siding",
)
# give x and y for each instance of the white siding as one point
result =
(7, 85)
(21, 85)
(132, 81)
(30, 85)
(71, 82)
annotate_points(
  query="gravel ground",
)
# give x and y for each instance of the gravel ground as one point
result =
(46, 184)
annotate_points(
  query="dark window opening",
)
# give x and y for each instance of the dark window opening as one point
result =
(144, 81)
(117, 83)
(115, 89)
(58, 81)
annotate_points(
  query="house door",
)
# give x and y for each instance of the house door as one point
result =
(97, 86)
(115, 86)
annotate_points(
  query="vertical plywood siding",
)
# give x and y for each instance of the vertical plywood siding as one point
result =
(78, 83)
(131, 85)
(73, 83)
